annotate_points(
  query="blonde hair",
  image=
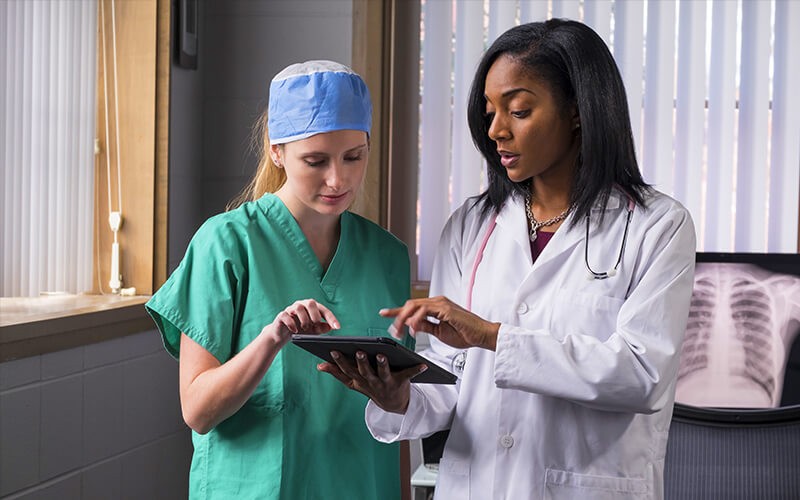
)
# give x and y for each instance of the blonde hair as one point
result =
(268, 177)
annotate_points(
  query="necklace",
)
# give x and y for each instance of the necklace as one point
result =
(535, 224)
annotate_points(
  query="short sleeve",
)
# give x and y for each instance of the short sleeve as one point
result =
(201, 297)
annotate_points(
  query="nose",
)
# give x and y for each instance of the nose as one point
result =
(498, 128)
(335, 178)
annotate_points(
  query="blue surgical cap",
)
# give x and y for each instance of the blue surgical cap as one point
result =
(314, 97)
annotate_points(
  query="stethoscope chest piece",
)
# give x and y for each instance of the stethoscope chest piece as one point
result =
(459, 362)
(591, 275)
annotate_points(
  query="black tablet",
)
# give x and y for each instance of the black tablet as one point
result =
(398, 356)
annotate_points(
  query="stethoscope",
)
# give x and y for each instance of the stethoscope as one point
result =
(594, 275)
(461, 358)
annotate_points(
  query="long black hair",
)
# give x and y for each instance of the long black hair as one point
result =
(579, 69)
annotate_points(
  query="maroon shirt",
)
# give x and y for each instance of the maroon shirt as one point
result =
(537, 245)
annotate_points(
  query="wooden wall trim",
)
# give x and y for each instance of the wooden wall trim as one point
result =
(369, 60)
(161, 188)
(403, 141)
(386, 52)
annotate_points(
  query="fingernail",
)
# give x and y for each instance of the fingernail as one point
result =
(334, 354)
(423, 368)
(381, 359)
(336, 325)
(392, 330)
(360, 355)
(383, 311)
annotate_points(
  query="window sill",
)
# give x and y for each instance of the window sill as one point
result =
(31, 326)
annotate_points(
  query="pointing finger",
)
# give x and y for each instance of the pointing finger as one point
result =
(330, 318)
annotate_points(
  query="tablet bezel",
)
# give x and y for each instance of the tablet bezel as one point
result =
(398, 356)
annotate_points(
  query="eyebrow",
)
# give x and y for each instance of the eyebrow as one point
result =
(324, 153)
(511, 92)
(362, 146)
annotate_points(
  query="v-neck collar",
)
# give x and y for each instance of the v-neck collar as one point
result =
(329, 281)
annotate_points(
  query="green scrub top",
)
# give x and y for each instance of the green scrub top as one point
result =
(301, 435)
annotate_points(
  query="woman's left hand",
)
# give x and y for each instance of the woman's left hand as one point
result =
(389, 390)
(456, 327)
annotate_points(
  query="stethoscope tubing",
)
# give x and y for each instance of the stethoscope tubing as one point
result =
(607, 274)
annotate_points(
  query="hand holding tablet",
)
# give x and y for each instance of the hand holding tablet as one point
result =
(398, 356)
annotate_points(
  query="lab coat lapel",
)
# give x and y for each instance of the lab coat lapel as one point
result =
(512, 221)
(564, 240)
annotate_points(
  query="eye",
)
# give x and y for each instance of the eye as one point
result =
(314, 162)
(354, 158)
(521, 114)
(488, 113)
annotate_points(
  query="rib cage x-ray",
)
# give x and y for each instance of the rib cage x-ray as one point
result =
(743, 320)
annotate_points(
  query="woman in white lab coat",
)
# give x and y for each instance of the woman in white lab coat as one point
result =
(560, 295)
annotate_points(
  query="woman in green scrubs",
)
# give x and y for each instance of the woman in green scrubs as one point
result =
(266, 423)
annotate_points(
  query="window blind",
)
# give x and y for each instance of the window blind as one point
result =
(435, 123)
(709, 90)
(785, 152)
(47, 104)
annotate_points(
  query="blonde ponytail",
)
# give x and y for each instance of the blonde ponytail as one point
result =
(268, 177)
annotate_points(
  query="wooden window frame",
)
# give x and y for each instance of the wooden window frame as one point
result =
(29, 326)
(143, 65)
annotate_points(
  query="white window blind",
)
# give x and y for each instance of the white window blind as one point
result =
(47, 104)
(709, 86)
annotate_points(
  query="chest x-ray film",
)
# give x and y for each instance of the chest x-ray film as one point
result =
(744, 320)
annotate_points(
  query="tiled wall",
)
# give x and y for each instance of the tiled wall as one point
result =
(100, 421)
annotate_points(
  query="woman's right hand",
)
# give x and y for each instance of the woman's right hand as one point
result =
(212, 391)
(306, 316)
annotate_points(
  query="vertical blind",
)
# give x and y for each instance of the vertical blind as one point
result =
(709, 85)
(47, 104)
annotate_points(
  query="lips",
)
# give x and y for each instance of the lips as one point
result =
(507, 159)
(331, 198)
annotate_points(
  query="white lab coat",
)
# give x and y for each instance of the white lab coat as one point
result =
(576, 401)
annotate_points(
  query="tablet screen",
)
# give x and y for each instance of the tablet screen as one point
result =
(398, 356)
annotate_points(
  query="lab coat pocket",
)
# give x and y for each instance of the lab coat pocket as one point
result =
(565, 485)
(453, 478)
(585, 313)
